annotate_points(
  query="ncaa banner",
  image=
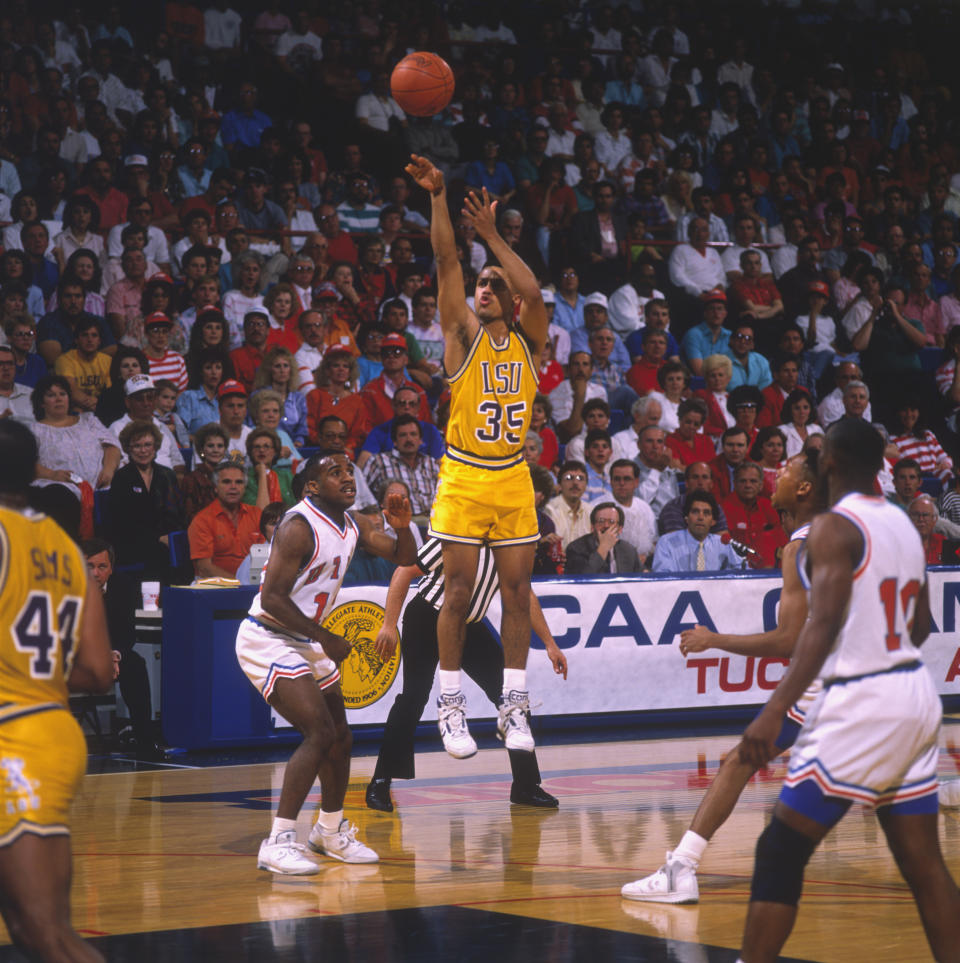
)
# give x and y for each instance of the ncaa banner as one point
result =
(621, 639)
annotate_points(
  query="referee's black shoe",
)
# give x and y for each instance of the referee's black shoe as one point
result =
(531, 796)
(378, 795)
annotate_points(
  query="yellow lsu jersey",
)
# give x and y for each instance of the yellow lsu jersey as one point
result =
(491, 402)
(43, 581)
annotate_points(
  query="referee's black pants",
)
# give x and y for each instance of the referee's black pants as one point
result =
(482, 661)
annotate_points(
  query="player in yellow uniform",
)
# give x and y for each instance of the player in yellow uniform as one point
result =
(53, 637)
(484, 492)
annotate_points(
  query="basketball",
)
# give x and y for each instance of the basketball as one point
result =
(422, 84)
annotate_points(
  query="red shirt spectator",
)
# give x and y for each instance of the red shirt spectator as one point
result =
(751, 518)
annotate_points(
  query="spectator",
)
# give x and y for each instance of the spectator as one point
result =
(749, 366)
(916, 442)
(756, 296)
(77, 455)
(165, 411)
(256, 210)
(140, 397)
(709, 337)
(144, 506)
(598, 241)
(717, 370)
(406, 462)
(379, 439)
(569, 397)
(924, 515)
(596, 415)
(124, 299)
(673, 380)
(243, 126)
(111, 203)
(197, 487)
(628, 304)
(249, 356)
(697, 477)
(831, 409)
(140, 213)
(658, 474)
(22, 335)
(643, 373)
(14, 398)
(356, 213)
(745, 235)
(694, 548)
(232, 411)
(639, 522)
(278, 371)
(794, 285)
(798, 420)
(687, 443)
(86, 367)
(267, 482)
(907, 482)
(597, 449)
(786, 378)
(567, 510)
(922, 307)
(745, 403)
(734, 445)
(493, 174)
(336, 393)
(643, 412)
(752, 519)
(164, 363)
(570, 303)
(57, 330)
(221, 534)
(603, 549)
(121, 599)
(769, 451)
(697, 271)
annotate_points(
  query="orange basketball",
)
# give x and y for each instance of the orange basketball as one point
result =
(422, 84)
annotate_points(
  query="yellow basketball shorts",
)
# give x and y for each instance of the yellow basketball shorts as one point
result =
(43, 757)
(475, 505)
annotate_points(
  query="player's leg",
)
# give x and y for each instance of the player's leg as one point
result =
(35, 874)
(459, 572)
(783, 851)
(676, 880)
(303, 705)
(913, 840)
(332, 834)
(483, 662)
(418, 644)
(514, 565)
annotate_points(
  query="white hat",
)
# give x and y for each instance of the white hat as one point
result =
(138, 382)
(596, 298)
(135, 160)
(548, 296)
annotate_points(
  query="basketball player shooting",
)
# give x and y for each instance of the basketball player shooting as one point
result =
(484, 492)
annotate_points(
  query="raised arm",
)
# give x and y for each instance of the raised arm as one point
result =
(401, 550)
(481, 212)
(455, 319)
(778, 642)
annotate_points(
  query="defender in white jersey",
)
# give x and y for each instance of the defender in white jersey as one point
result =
(796, 499)
(293, 661)
(872, 735)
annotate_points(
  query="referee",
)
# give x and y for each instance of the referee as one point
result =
(482, 661)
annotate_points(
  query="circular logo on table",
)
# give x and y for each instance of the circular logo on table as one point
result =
(364, 676)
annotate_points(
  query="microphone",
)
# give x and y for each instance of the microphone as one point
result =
(744, 551)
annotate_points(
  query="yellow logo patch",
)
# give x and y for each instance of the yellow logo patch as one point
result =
(364, 676)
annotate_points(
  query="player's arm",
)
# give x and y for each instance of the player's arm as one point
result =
(922, 620)
(401, 550)
(454, 315)
(539, 625)
(400, 582)
(93, 663)
(481, 212)
(778, 642)
(834, 547)
(292, 544)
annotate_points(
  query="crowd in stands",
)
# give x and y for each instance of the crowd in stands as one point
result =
(744, 224)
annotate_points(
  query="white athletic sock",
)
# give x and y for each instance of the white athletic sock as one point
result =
(330, 822)
(691, 848)
(514, 680)
(282, 826)
(449, 681)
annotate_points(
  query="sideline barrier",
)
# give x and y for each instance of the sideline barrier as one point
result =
(620, 635)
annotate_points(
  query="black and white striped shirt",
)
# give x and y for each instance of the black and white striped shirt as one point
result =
(430, 589)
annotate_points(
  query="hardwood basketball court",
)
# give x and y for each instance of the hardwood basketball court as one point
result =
(165, 865)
